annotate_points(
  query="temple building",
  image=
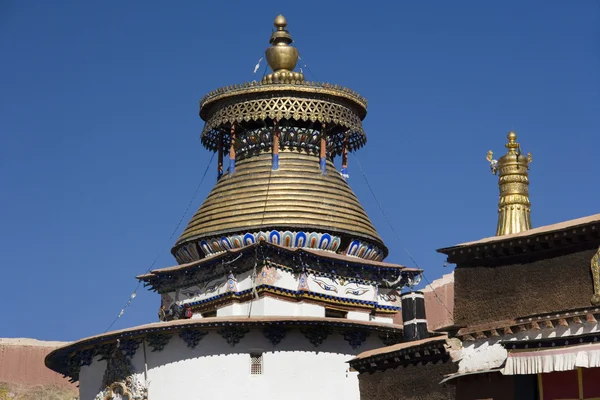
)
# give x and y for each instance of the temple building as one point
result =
(280, 275)
(526, 310)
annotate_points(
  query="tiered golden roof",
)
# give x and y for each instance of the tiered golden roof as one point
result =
(295, 197)
(514, 207)
(311, 122)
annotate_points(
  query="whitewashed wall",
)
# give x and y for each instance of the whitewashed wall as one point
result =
(285, 279)
(214, 369)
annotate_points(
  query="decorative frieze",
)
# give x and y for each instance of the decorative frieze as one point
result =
(69, 360)
(158, 341)
(120, 380)
(86, 356)
(433, 349)
(311, 240)
(355, 338)
(192, 277)
(233, 334)
(192, 337)
(552, 342)
(274, 333)
(541, 322)
(390, 339)
(268, 276)
(317, 106)
(80, 359)
(231, 283)
(316, 334)
(129, 346)
(346, 300)
(368, 251)
(105, 351)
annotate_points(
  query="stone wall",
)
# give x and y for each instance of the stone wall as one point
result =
(420, 382)
(559, 281)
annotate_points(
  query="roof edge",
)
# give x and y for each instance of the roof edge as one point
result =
(515, 238)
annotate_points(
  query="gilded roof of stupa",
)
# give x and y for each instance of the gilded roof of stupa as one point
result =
(296, 196)
(282, 135)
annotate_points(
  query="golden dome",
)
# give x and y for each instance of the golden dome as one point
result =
(296, 197)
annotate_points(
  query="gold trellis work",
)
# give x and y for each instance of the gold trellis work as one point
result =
(284, 98)
(343, 117)
(595, 266)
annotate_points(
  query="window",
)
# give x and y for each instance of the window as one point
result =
(256, 364)
(209, 314)
(333, 313)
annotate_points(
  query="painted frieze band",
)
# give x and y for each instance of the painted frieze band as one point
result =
(309, 240)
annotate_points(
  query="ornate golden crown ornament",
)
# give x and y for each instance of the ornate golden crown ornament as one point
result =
(514, 207)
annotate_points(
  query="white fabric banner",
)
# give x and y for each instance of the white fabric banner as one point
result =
(521, 362)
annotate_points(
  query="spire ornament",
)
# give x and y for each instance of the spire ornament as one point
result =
(281, 121)
(282, 57)
(514, 207)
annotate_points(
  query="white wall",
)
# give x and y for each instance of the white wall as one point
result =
(90, 379)
(214, 369)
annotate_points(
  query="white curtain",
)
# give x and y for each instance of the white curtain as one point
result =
(520, 362)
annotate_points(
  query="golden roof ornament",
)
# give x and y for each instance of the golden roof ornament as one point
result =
(514, 207)
(281, 136)
(282, 57)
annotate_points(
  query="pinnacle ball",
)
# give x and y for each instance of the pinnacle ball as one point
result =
(280, 21)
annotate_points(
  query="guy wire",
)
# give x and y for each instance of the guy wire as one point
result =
(396, 234)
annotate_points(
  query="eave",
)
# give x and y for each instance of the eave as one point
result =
(581, 232)
(528, 323)
(432, 349)
(68, 359)
(326, 264)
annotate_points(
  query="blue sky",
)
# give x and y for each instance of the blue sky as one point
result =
(99, 124)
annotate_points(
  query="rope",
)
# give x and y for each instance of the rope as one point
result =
(398, 236)
(267, 194)
(134, 294)
(253, 278)
(307, 67)
(262, 220)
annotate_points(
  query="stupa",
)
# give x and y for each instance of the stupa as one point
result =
(280, 277)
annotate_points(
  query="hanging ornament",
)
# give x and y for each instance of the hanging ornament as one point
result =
(257, 66)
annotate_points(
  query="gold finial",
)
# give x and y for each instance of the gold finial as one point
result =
(281, 57)
(514, 207)
(512, 142)
(280, 22)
